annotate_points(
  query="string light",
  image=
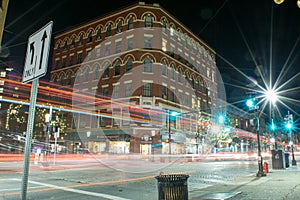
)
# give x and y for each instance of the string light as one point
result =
(281, 1)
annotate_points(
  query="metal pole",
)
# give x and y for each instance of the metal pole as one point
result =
(48, 121)
(260, 159)
(30, 125)
(169, 124)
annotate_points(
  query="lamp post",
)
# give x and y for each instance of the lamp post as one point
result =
(253, 107)
(289, 126)
(171, 114)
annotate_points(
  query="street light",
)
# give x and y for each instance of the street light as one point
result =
(251, 103)
(289, 126)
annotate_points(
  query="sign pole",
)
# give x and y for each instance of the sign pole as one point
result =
(30, 123)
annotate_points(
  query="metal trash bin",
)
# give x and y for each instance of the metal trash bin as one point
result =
(172, 186)
(287, 159)
(278, 159)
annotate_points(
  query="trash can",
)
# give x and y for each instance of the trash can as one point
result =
(278, 159)
(287, 159)
(172, 186)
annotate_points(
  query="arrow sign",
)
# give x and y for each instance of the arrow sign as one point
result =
(42, 49)
(37, 54)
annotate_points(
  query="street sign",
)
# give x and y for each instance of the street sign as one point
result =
(37, 53)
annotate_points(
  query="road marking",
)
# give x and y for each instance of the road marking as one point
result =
(77, 191)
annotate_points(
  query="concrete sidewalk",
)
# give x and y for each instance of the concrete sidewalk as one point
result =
(283, 184)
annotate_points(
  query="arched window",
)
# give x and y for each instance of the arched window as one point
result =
(65, 46)
(148, 21)
(96, 73)
(72, 43)
(80, 39)
(117, 69)
(128, 65)
(108, 30)
(147, 65)
(90, 37)
(164, 26)
(98, 34)
(119, 27)
(130, 23)
(86, 76)
(164, 68)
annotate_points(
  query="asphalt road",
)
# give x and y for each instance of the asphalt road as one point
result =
(95, 180)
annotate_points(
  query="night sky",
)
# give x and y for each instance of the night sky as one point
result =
(243, 34)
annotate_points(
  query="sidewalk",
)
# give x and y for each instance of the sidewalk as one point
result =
(283, 184)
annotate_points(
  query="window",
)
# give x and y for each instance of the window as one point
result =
(71, 60)
(172, 73)
(65, 46)
(119, 27)
(96, 73)
(164, 69)
(106, 72)
(180, 76)
(56, 64)
(164, 26)
(128, 89)
(58, 48)
(72, 43)
(68, 79)
(79, 58)
(105, 91)
(80, 39)
(147, 65)
(148, 21)
(108, 30)
(117, 69)
(86, 76)
(187, 99)
(98, 52)
(128, 66)
(98, 34)
(88, 55)
(148, 42)
(118, 46)
(63, 64)
(90, 37)
(107, 50)
(164, 92)
(147, 89)
(129, 43)
(172, 95)
(172, 51)
(116, 90)
(130, 23)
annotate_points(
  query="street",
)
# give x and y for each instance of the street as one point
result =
(95, 180)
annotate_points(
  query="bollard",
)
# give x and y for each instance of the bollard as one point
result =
(266, 167)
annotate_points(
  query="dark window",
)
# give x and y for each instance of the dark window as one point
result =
(118, 46)
(130, 23)
(148, 22)
(119, 27)
(71, 60)
(80, 40)
(164, 92)
(164, 26)
(72, 43)
(65, 46)
(90, 37)
(98, 34)
(164, 69)
(63, 64)
(117, 69)
(105, 91)
(79, 58)
(108, 30)
(106, 72)
(128, 65)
